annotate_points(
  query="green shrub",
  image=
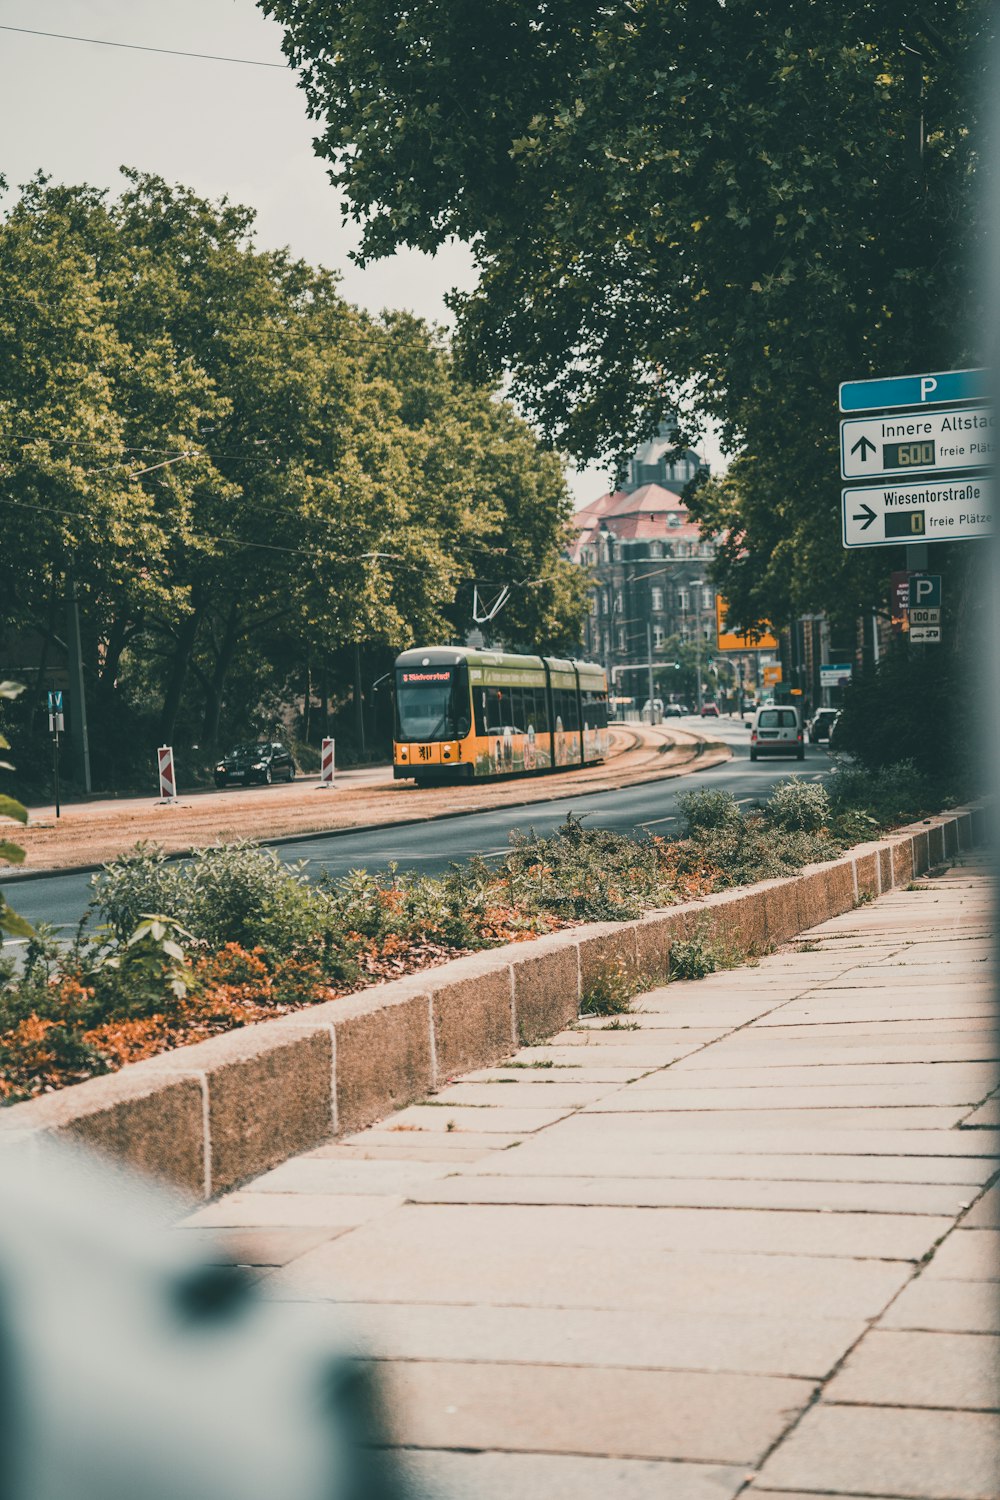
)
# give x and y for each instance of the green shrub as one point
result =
(803, 806)
(751, 850)
(890, 795)
(708, 809)
(699, 955)
(611, 991)
(584, 874)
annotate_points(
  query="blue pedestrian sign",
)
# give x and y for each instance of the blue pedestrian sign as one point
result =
(915, 390)
(55, 701)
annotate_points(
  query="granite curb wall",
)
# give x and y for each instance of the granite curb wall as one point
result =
(212, 1115)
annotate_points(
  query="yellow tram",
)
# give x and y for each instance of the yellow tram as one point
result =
(463, 714)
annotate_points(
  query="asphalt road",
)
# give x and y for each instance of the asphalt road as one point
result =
(60, 900)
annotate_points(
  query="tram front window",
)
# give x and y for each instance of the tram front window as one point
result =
(428, 704)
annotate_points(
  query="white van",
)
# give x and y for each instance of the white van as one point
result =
(777, 731)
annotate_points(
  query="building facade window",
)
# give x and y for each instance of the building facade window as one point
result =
(657, 636)
(619, 607)
(683, 602)
(707, 599)
(657, 599)
(621, 639)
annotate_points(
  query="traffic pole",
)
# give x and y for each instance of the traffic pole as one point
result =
(165, 768)
(326, 764)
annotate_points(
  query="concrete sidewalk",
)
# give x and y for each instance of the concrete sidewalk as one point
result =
(745, 1240)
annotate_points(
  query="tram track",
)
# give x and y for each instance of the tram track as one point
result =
(90, 833)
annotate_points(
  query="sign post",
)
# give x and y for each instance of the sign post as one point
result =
(326, 770)
(168, 781)
(57, 726)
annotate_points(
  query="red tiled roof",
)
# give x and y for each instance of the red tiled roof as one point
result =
(650, 499)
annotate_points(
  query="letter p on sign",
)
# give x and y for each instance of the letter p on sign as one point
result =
(928, 385)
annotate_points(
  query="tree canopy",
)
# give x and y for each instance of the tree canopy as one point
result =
(257, 491)
(725, 208)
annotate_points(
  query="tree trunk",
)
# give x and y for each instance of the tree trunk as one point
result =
(117, 637)
(186, 637)
(223, 661)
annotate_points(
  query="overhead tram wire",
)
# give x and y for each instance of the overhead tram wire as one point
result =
(203, 536)
(98, 41)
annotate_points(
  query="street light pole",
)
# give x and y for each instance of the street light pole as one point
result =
(697, 583)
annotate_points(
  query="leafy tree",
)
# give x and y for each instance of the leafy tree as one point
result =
(255, 485)
(726, 207)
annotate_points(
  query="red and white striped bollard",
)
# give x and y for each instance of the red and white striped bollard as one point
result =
(165, 766)
(326, 764)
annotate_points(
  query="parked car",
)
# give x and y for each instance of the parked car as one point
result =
(262, 761)
(673, 711)
(710, 710)
(821, 724)
(777, 731)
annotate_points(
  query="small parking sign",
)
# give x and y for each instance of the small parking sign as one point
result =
(925, 591)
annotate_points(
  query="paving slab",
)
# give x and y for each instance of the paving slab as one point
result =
(293, 1210)
(664, 1192)
(773, 1115)
(526, 1092)
(256, 1246)
(440, 1474)
(563, 1067)
(945, 1307)
(748, 1051)
(545, 1156)
(718, 1064)
(807, 1348)
(678, 1132)
(709, 1092)
(917, 1454)
(967, 1255)
(318, 1174)
(986, 1213)
(724, 1284)
(980, 1026)
(721, 1419)
(483, 1120)
(890, 1368)
(987, 1114)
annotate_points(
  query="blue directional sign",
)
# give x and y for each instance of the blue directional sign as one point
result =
(55, 701)
(915, 390)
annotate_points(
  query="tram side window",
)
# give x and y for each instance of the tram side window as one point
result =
(595, 711)
(538, 715)
(566, 709)
(489, 710)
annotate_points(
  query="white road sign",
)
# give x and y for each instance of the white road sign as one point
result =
(942, 510)
(959, 438)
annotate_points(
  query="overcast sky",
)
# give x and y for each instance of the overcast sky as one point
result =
(79, 112)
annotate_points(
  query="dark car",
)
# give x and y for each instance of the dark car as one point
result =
(821, 724)
(673, 711)
(263, 761)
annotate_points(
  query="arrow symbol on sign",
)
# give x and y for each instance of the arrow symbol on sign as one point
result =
(864, 443)
(866, 515)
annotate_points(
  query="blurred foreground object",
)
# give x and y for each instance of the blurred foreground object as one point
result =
(133, 1368)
